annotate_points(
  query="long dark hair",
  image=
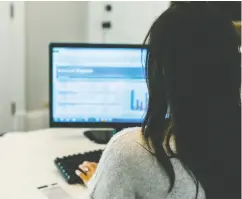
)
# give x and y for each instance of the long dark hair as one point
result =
(193, 68)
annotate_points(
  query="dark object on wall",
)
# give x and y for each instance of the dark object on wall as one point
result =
(11, 10)
(108, 8)
(106, 25)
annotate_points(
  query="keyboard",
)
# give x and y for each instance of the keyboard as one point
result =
(68, 164)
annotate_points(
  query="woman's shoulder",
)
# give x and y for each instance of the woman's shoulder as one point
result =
(124, 145)
(126, 135)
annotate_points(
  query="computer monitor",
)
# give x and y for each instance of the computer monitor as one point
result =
(97, 85)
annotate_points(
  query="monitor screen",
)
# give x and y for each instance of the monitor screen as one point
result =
(93, 85)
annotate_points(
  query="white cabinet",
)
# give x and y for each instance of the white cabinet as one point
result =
(5, 69)
(12, 54)
(24, 39)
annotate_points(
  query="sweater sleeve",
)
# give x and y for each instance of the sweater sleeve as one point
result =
(114, 177)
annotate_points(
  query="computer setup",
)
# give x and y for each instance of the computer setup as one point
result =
(96, 86)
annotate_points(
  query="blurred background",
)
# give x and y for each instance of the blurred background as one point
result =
(27, 28)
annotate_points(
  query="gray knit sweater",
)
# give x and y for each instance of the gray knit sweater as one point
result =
(127, 170)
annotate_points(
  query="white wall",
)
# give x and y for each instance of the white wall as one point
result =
(130, 20)
(49, 22)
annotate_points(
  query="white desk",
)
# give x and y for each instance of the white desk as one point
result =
(26, 161)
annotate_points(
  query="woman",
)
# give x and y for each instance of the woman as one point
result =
(192, 67)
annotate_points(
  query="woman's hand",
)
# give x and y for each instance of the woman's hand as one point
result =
(88, 169)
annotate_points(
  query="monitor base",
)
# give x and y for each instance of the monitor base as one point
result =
(100, 136)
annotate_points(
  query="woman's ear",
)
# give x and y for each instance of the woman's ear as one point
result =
(237, 25)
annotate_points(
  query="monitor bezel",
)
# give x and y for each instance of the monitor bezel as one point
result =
(54, 124)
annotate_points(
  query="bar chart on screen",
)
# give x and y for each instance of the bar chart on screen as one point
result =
(138, 100)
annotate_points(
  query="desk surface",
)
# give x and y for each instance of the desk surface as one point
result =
(27, 161)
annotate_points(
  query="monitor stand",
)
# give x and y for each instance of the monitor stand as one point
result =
(100, 136)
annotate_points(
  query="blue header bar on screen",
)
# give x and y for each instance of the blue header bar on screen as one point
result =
(99, 72)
